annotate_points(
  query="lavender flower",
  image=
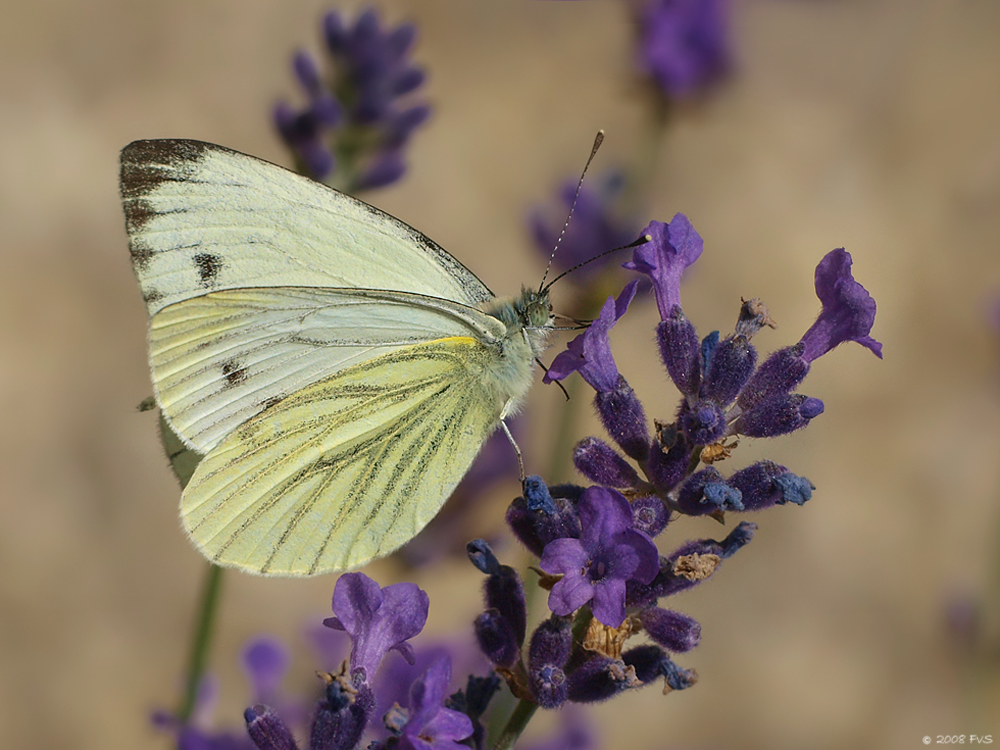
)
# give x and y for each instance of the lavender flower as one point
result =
(596, 567)
(353, 132)
(674, 247)
(848, 310)
(590, 352)
(430, 725)
(378, 620)
(683, 45)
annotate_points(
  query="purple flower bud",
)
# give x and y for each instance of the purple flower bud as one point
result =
(680, 351)
(341, 717)
(645, 660)
(707, 492)
(503, 590)
(731, 366)
(778, 415)
(550, 648)
(779, 373)
(650, 515)
(496, 638)
(794, 489)
(481, 555)
(674, 247)
(590, 352)
(385, 170)
(505, 593)
(537, 495)
(848, 312)
(267, 730)
(536, 528)
(333, 30)
(623, 417)
(307, 72)
(672, 630)
(680, 578)
(766, 483)
(668, 469)
(703, 423)
(402, 125)
(602, 464)
(598, 679)
(677, 678)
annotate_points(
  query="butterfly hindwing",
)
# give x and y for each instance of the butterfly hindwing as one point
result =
(221, 358)
(203, 218)
(347, 469)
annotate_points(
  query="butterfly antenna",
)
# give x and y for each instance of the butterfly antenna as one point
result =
(598, 140)
(641, 241)
(561, 386)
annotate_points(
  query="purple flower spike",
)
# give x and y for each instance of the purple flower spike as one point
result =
(848, 312)
(590, 352)
(674, 247)
(596, 567)
(684, 45)
(377, 619)
(360, 107)
(430, 725)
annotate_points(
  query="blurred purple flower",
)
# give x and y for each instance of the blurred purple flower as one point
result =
(355, 127)
(596, 567)
(594, 228)
(431, 726)
(378, 620)
(684, 45)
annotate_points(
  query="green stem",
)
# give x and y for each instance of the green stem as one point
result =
(515, 725)
(202, 640)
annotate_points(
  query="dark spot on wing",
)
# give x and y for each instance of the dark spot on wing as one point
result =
(274, 400)
(234, 373)
(208, 266)
(138, 212)
(152, 295)
(140, 252)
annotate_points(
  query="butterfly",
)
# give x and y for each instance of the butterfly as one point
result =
(338, 370)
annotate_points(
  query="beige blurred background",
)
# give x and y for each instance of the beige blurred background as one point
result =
(870, 124)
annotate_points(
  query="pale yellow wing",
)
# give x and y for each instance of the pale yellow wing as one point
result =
(347, 469)
(221, 358)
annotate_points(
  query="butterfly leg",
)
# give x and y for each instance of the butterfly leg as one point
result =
(506, 430)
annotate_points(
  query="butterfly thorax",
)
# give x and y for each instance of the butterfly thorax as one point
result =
(528, 321)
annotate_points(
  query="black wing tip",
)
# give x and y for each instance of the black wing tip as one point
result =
(147, 164)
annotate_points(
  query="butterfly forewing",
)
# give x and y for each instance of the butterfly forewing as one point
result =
(347, 469)
(202, 218)
(221, 358)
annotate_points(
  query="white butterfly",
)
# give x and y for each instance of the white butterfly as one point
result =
(338, 369)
